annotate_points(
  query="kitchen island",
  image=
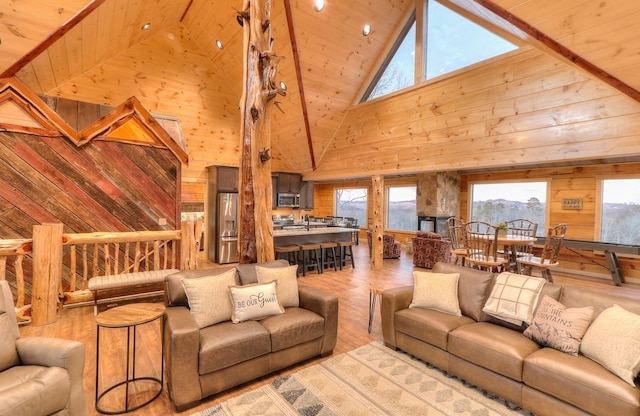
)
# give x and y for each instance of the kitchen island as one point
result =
(313, 235)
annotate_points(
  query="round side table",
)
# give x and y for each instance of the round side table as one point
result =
(129, 316)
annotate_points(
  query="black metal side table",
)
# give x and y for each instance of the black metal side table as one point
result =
(129, 316)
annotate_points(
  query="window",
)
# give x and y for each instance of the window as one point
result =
(452, 42)
(352, 202)
(401, 208)
(620, 211)
(505, 201)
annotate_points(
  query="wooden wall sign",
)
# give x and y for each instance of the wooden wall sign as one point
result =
(571, 203)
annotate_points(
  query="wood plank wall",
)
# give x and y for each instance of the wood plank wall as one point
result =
(102, 186)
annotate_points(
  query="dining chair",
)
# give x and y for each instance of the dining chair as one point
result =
(481, 244)
(455, 228)
(548, 259)
(520, 227)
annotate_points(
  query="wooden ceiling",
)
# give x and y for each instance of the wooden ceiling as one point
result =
(59, 47)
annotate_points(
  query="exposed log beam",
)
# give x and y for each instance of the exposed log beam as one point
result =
(303, 101)
(560, 49)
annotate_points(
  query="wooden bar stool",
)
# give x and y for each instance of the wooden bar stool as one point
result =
(311, 258)
(289, 253)
(329, 259)
(346, 250)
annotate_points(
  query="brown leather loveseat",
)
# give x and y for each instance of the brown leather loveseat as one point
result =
(202, 360)
(496, 356)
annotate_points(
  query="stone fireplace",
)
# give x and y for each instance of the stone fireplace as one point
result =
(437, 198)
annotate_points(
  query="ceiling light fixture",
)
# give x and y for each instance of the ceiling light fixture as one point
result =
(219, 44)
(318, 5)
(146, 26)
(283, 86)
(366, 30)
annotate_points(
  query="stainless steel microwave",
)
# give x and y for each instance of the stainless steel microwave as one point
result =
(289, 200)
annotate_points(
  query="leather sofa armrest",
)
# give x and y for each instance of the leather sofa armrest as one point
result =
(57, 352)
(393, 300)
(182, 342)
(325, 304)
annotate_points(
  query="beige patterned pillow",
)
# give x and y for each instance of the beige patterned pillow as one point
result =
(437, 291)
(556, 326)
(209, 297)
(514, 297)
(287, 279)
(613, 341)
(254, 301)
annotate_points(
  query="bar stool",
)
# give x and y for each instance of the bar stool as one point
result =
(311, 258)
(346, 250)
(289, 253)
(329, 259)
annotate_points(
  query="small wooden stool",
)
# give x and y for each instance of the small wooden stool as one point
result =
(289, 253)
(329, 258)
(346, 250)
(311, 258)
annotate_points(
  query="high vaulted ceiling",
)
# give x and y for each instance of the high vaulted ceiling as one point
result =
(66, 47)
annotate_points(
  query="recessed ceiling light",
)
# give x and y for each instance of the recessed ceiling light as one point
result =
(283, 86)
(219, 44)
(318, 5)
(146, 26)
(366, 30)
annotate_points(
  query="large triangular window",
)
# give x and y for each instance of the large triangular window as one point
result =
(452, 42)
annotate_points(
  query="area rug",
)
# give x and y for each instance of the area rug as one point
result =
(371, 380)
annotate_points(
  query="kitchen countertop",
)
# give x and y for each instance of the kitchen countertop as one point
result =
(312, 231)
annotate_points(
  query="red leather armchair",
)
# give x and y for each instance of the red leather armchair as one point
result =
(430, 248)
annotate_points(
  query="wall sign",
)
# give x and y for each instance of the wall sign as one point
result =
(571, 203)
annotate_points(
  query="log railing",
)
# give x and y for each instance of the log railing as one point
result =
(64, 263)
(13, 252)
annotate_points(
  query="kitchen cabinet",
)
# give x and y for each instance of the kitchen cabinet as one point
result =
(306, 195)
(274, 191)
(289, 183)
(227, 179)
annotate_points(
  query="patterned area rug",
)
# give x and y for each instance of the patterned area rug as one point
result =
(371, 380)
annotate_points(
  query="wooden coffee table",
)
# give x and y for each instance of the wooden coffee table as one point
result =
(129, 316)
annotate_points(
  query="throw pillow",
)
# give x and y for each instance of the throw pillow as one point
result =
(255, 301)
(556, 326)
(613, 341)
(208, 297)
(437, 291)
(514, 297)
(287, 279)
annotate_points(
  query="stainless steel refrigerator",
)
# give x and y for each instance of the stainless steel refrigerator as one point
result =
(227, 228)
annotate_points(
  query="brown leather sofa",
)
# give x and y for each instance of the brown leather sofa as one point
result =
(200, 363)
(38, 375)
(497, 357)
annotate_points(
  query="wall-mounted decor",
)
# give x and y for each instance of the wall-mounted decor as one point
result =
(571, 203)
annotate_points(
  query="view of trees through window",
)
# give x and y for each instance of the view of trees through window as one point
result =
(401, 208)
(501, 202)
(620, 214)
(352, 202)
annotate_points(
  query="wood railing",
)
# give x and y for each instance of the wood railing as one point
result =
(64, 263)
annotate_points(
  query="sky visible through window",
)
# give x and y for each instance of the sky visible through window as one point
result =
(453, 42)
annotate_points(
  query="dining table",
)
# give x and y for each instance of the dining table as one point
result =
(510, 244)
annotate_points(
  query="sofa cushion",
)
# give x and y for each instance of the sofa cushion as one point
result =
(428, 325)
(493, 347)
(287, 287)
(8, 353)
(33, 390)
(473, 288)
(559, 327)
(209, 297)
(247, 272)
(613, 340)
(254, 301)
(225, 344)
(294, 327)
(514, 297)
(580, 382)
(437, 291)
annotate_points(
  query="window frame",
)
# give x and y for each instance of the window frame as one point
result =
(365, 224)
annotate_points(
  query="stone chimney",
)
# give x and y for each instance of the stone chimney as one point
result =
(438, 194)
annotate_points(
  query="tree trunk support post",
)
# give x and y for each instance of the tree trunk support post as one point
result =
(47, 273)
(377, 201)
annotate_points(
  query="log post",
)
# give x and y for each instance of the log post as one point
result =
(47, 272)
(255, 238)
(377, 201)
(189, 245)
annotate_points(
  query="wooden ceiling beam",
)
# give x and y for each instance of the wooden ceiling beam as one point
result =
(303, 101)
(55, 36)
(560, 49)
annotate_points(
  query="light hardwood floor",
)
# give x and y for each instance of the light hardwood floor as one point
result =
(351, 285)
